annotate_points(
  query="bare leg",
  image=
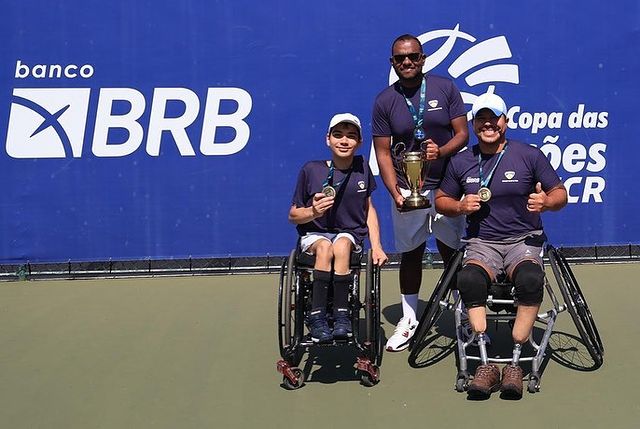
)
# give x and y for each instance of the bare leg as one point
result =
(324, 254)
(525, 318)
(342, 255)
(478, 319)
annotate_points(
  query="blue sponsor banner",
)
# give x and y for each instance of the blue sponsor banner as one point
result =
(166, 130)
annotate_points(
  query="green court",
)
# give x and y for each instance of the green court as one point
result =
(201, 352)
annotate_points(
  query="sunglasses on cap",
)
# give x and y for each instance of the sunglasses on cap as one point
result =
(414, 57)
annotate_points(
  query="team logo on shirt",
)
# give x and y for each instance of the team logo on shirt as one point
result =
(433, 105)
(361, 185)
(509, 177)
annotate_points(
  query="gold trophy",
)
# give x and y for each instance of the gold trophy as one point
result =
(413, 164)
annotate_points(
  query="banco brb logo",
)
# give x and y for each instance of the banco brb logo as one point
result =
(47, 123)
(52, 122)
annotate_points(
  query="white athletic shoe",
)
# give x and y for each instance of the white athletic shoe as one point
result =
(402, 335)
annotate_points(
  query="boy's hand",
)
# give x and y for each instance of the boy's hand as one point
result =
(378, 256)
(321, 203)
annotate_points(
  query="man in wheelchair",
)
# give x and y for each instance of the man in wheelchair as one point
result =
(333, 211)
(502, 186)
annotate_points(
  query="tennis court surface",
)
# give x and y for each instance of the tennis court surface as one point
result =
(201, 352)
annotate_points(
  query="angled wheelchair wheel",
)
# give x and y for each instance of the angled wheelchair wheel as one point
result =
(284, 303)
(290, 311)
(434, 310)
(372, 311)
(576, 304)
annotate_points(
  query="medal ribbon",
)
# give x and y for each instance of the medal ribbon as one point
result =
(329, 179)
(484, 182)
(418, 118)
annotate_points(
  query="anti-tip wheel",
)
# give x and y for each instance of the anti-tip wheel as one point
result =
(289, 385)
(368, 380)
(462, 383)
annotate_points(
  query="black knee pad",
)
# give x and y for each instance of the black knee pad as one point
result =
(473, 284)
(528, 280)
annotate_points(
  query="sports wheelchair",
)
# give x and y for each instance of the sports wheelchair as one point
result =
(501, 305)
(294, 305)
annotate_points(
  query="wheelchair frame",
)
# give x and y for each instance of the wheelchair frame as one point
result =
(294, 295)
(573, 299)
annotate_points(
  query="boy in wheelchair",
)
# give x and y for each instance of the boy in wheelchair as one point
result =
(334, 213)
(504, 229)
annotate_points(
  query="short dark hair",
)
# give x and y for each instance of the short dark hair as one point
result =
(406, 37)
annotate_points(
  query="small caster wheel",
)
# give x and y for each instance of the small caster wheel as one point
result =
(369, 380)
(290, 385)
(533, 385)
(462, 383)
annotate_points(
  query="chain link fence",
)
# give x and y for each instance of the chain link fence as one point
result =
(244, 265)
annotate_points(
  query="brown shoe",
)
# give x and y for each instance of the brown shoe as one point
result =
(486, 380)
(512, 381)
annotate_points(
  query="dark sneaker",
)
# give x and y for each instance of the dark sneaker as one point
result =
(342, 326)
(320, 332)
(512, 381)
(486, 380)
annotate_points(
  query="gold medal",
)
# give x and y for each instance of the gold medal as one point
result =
(484, 194)
(329, 191)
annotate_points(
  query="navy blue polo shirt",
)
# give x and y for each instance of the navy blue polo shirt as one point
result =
(505, 215)
(348, 213)
(391, 118)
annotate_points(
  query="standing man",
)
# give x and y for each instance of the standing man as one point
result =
(418, 113)
(502, 186)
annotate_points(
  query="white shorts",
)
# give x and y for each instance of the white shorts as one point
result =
(412, 228)
(309, 238)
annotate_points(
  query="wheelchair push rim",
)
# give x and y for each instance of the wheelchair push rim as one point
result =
(372, 311)
(285, 308)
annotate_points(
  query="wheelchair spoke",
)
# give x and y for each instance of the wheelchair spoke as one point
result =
(570, 351)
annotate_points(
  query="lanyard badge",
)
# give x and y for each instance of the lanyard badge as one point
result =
(418, 117)
(484, 192)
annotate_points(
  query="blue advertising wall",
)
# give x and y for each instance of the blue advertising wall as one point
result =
(148, 129)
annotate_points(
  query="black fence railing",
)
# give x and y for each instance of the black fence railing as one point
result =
(261, 264)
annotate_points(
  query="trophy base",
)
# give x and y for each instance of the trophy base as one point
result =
(415, 203)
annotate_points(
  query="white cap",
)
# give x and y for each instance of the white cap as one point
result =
(489, 101)
(345, 117)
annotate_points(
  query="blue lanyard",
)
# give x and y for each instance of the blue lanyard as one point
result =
(418, 118)
(329, 179)
(485, 182)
